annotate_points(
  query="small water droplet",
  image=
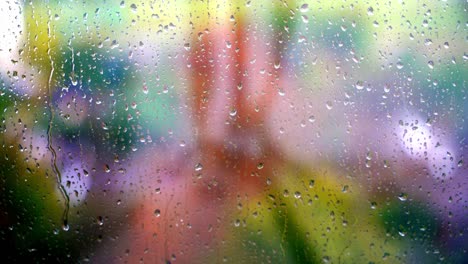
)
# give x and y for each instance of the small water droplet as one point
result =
(329, 105)
(304, 8)
(297, 195)
(133, 7)
(312, 119)
(370, 11)
(399, 65)
(386, 88)
(403, 197)
(233, 112)
(425, 23)
(157, 213)
(430, 64)
(359, 85)
(145, 89)
(198, 167)
(100, 221)
(277, 65)
(345, 189)
(260, 165)
(281, 92)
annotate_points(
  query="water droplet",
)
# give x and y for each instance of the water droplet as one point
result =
(370, 11)
(399, 65)
(157, 213)
(187, 46)
(311, 183)
(65, 226)
(145, 89)
(260, 165)
(312, 119)
(373, 205)
(133, 7)
(281, 92)
(403, 197)
(277, 65)
(304, 8)
(345, 189)
(446, 45)
(233, 112)
(305, 19)
(359, 85)
(198, 167)
(100, 221)
(427, 42)
(329, 105)
(297, 195)
(386, 88)
(430, 64)
(425, 23)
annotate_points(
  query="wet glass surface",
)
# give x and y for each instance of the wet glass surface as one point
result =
(233, 131)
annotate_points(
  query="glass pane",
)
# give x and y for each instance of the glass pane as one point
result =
(233, 131)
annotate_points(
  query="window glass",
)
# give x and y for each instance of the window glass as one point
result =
(233, 131)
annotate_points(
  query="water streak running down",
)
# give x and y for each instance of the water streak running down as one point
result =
(50, 146)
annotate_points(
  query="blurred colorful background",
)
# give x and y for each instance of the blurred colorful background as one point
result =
(233, 131)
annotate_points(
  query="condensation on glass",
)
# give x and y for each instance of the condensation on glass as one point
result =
(233, 131)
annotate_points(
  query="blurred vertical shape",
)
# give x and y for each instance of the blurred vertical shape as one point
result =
(233, 78)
